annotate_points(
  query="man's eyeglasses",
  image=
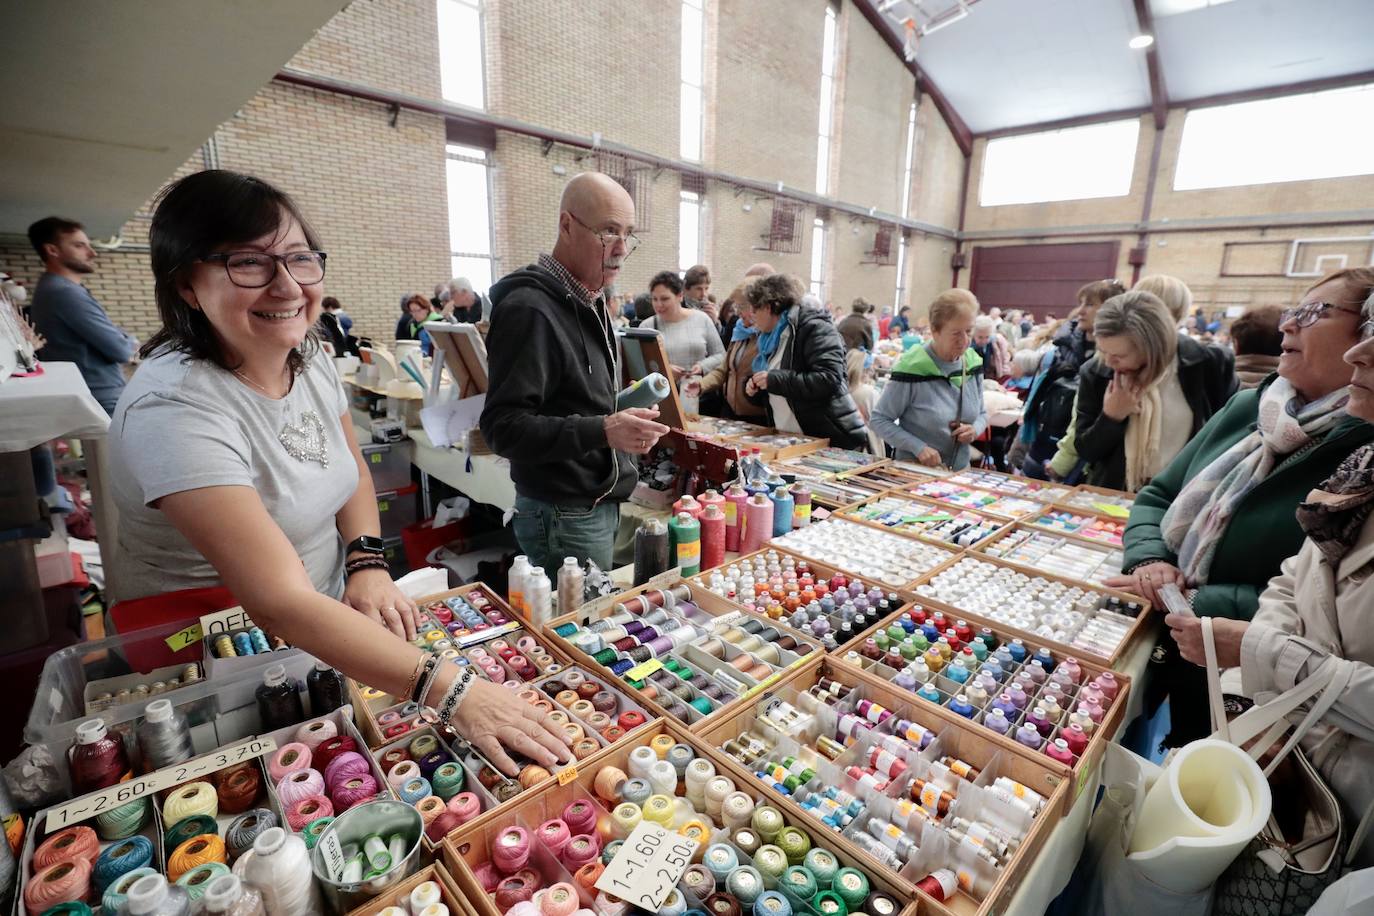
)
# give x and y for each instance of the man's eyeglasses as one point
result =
(1304, 316)
(609, 238)
(256, 269)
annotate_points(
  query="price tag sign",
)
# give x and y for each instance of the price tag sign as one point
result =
(186, 638)
(648, 866)
(640, 672)
(567, 774)
(1113, 510)
(331, 851)
(88, 806)
(225, 621)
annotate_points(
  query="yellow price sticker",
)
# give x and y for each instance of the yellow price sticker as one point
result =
(640, 672)
(376, 457)
(567, 775)
(184, 639)
(1113, 511)
(383, 505)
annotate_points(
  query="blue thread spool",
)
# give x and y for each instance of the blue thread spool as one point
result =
(259, 639)
(120, 859)
(782, 510)
(243, 644)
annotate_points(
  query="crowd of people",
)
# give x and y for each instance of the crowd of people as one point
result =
(1249, 448)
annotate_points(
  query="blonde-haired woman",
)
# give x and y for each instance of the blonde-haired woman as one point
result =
(1142, 373)
(932, 407)
(1172, 291)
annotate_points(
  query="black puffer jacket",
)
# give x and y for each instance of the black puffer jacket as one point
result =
(1207, 376)
(812, 377)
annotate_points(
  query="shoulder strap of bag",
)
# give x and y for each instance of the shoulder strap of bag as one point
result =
(1269, 721)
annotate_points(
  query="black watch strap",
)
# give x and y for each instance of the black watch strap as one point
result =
(366, 544)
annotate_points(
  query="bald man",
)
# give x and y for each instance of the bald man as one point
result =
(553, 378)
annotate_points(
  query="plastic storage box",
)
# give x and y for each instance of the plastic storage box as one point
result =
(389, 464)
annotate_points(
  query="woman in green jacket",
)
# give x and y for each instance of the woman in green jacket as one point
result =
(1219, 520)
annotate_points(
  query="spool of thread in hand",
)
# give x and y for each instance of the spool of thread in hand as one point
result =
(645, 392)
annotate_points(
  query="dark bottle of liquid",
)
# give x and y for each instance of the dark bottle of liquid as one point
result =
(279, 702)
(326, 689)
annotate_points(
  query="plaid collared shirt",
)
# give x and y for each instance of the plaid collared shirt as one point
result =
(553, 266)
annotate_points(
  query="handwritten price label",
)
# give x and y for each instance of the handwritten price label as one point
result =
(88, 806)
(648, 866)
(183, 639)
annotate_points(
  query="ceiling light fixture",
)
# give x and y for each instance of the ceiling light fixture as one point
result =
(1140, 42)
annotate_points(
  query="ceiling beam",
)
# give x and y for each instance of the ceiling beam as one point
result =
(962, 135)
(1062, 123)
(1159, 93)
(1269, 92)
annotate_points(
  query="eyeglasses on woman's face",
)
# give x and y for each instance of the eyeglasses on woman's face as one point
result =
(1304, 316)
(256, 269)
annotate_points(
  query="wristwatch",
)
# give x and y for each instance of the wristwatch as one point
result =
(366, 544)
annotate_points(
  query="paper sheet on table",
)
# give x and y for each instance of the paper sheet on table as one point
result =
(449, 422)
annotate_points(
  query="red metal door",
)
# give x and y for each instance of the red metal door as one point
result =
(1040, 279)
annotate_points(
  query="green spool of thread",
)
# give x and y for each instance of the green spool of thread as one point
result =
(314, 830)
(198, 879)
(771, 862)
(794, 844)
(448, 781)
(605, 657)
(852, 886)
(637, 685)
(423, 746)
(745, 883)
(565, 629)
(611, 849)
(881, 639)
(685, 535)
(823, 864)
(703, 705)
(829, 903)
(799, 882)
(189, 828)
(919, 641)
(767, 822)
(909, 652)
(685, 673)
(73, 908)
(980, 650)
(895, 632)
(123, 822)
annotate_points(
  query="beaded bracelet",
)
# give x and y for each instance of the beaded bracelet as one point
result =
(358, 565)
(455, 693)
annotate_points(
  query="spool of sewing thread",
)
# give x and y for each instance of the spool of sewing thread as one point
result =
(651, 551)
(115, 895)
(351, 763)
(195, 851)
(554, 835)
(163, 736)
(293, 756)
(198, 879)
(186, 829)
(733, 509)
(298, 785)
(511, 851)
(782, 511)
(758, 523)
(313, 734)
(97, 760)
(712, 537)
(62, 882)
(244, 829)
(607, 784)
(685, 533)
(237, 790)
(72, 843)
(307, 810)
(801, 505)
(570, 584)
(189, 800)
(121, 822)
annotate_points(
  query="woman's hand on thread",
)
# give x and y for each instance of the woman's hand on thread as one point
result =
(1146, 581)
(928, 457)
(495, 720)
(372, 593)
(964, 434)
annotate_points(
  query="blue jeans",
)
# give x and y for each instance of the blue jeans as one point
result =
(548, 533)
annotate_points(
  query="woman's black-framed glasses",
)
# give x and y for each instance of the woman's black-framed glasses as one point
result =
(609, 238)
(256, 269)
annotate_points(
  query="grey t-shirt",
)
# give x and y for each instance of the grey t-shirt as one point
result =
(184, 425)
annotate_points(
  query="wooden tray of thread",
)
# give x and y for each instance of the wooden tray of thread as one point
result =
(740, 859)
(867, 552)
(684, 652)
(901, 783)
(782, 586)
(926, 520)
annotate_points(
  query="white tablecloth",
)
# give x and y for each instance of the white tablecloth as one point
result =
(50, 406)
(57, 405)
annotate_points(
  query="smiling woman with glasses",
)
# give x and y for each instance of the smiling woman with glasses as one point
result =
(234, 463)
(1219, 520)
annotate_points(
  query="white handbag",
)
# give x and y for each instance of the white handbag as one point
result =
(1162, 835)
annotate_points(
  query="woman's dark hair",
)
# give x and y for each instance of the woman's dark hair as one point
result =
(670, 279)
(775, 292)
(195, 216)
(1257, 331)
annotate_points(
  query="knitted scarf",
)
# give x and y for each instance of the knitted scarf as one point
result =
(1200, 514)
(1142, 434)
(1335, 512)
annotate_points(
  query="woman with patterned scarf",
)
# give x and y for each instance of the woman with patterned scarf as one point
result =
(1317, 612)
(1218, 522)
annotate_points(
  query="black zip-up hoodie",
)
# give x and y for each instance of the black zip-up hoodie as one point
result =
(552, 380)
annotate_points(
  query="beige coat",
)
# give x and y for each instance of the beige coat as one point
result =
(1308, 612)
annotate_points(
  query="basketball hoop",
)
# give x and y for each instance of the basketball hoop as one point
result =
(909, 39)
